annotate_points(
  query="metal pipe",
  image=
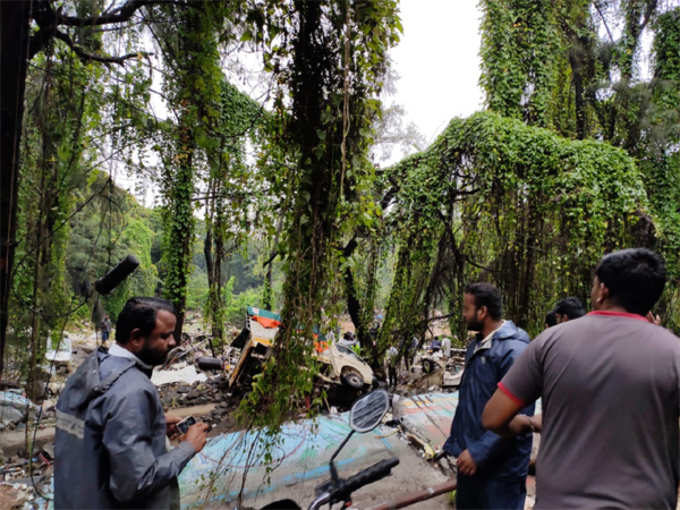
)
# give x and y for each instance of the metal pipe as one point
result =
(415, 497)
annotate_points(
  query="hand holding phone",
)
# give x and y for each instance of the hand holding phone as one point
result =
(184, 425)
(197, 435)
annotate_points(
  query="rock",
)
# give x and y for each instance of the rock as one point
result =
(55, 387)
(14, 496)
(10, 414)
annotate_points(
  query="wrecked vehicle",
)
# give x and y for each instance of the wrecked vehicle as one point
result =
(340, 365)
(451, 369)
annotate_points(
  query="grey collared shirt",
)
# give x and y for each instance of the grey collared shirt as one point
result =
(486, 343)
(122, 352)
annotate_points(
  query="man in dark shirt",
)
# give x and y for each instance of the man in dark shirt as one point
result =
(610, 388)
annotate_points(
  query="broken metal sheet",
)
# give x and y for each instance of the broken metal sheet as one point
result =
(299, 463)
(299, 460)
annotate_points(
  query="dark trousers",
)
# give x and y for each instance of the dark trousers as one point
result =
(391, 376)
(476, 492)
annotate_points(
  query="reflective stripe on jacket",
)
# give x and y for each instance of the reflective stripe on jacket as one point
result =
(110, 442)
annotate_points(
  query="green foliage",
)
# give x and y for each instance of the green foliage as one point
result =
(519, 43)
(53, 170)
(592, 86)
(189, 38)
(661, 158)
(328, 59)
(495, 199)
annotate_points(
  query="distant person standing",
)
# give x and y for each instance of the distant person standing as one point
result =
(446, 347)
(492, 470)
(392, 356)
(105, 327)
(610, 389)
(411, 351)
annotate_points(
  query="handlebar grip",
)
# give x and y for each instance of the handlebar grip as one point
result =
(370, 474)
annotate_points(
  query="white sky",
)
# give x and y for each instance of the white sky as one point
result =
(438, 61)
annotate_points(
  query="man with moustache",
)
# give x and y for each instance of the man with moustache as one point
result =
(110, 443)
(491, 470)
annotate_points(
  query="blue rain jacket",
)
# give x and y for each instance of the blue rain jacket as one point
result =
(110, 443)
(485, 365)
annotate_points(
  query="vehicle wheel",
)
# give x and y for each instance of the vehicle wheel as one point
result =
(352, 378)
(428, 366)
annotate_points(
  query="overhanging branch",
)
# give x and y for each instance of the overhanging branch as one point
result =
(122, 13)
(105, 59)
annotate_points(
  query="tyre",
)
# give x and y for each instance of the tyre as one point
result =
(428, 366)
(352, 378)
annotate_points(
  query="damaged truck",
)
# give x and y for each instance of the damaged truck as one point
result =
(339, 365)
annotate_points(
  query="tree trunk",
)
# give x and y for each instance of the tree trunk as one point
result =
(14, 16)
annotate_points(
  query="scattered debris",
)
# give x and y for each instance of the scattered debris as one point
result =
(195, 376)
(210, 363)
(452, 379)
(14, 496)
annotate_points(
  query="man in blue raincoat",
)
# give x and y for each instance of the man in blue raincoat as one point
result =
(491, 470)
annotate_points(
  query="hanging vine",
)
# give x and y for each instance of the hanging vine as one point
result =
(305, 45)
(463, 213)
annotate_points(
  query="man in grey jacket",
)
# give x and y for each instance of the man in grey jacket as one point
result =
(110, 444)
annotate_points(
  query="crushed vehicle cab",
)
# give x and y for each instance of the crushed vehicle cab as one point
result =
(343, 365)
(339, 365)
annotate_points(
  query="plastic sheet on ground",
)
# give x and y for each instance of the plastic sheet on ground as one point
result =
(187, 374)
(301, 455)
(428, 415)
(61, 355)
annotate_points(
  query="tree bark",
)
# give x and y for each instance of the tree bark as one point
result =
(14, 16)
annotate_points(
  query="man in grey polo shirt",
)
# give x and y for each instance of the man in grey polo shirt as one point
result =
(610, 384)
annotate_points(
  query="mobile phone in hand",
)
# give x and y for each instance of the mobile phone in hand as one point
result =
(184, 425)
